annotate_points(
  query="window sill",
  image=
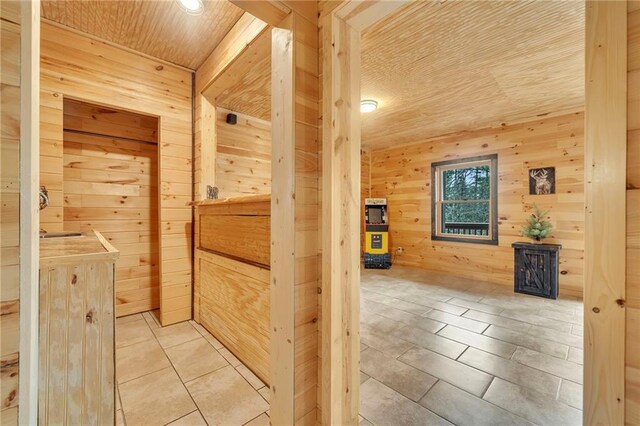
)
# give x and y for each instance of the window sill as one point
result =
(493, 242)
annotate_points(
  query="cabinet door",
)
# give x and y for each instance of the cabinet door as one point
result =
(535, 267)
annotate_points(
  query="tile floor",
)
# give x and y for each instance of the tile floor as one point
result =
(182, 375)
(436, 349)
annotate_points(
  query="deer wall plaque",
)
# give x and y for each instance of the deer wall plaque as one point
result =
(542, 181)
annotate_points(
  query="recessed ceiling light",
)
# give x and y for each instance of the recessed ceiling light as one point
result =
(193, 7)
(368, 105)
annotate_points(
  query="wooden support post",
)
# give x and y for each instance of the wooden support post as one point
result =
(605, 159)
(29, 210)
(282, 228)
(340, 219)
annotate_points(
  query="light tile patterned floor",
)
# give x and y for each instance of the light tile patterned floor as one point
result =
(181, 375)
(435, 350)
(442, 350)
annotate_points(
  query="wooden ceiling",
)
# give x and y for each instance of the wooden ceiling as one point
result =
(161, 29)
(443, 67)
(440, 67)
(245, 86)
(252, 94)
(435, 67)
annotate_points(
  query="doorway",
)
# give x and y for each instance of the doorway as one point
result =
(110, 183)
(604, 280)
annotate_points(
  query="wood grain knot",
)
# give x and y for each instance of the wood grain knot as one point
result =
(10, 398)
(89, 316)
(159, 68)
(74, 279)
(563, 272)
(596, 309)
(621, 302)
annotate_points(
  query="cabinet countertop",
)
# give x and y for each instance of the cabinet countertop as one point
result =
(88, 246)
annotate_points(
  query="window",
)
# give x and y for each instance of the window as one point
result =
(464, 200)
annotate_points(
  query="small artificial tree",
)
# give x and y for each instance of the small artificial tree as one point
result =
(537, 228)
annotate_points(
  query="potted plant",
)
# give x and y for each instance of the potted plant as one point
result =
(538, 227)
(537, 265)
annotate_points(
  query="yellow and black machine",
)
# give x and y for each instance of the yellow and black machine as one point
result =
(376, 253)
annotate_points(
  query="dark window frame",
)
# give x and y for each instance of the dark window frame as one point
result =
(493, 200)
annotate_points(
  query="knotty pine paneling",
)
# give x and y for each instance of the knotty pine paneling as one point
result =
(512, 61)
(307, 233)
(403, 175)
(160, 29)
(225, 61)
(81, 68)
(88, 118)
(235, 308)
(114, 181)
(632, 372)
(10, 31)
(243, 155)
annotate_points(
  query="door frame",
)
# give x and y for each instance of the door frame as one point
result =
(29, 211)
(605, 152)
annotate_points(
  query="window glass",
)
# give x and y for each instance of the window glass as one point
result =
(468, 183)
(464, 204)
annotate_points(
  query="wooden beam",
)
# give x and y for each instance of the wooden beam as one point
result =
(243, 33)
(303, 8)
(255, 52)
(605, 159)
(29, 210)
(271, 12)
(362, 14)
(340, 219)
(282, 227)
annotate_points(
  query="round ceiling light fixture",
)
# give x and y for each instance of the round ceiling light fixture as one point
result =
(368, 105)
(192, 7)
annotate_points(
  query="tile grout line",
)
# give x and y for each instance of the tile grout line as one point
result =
(188, 414)
(229, 363)
(246, 423)
(533, 336)
(488, 386)
(512, 382)
(489, 325)
(176, 371)
(428, 390)
(124, 418)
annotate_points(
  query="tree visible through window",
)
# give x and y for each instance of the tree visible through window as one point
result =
(463, 200)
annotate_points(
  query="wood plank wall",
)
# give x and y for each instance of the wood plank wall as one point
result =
(219, 62)
(632, 415)
(82, 68)
(10, 16)
(216, 67)
(233, 278)
(243, 155)
(105, 145)
(403, 175)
